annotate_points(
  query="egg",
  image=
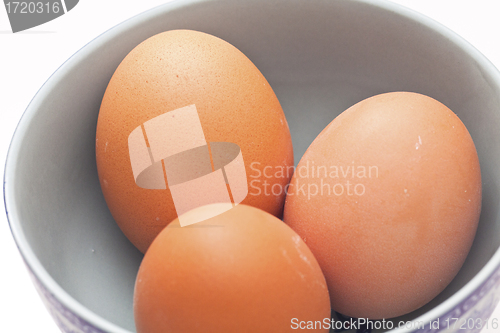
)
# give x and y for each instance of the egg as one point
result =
(179, 102)
(388, 198)
(241, 271)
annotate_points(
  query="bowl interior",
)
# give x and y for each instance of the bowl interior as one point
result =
(320, 57)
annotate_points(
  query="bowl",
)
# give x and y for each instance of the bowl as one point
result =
(320, 57)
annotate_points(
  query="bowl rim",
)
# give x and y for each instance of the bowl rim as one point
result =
(20, 132)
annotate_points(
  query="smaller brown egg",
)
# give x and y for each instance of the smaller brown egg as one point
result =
(241, 271)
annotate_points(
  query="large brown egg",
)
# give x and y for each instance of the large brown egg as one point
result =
(181, 94)
(388, 199)
(241, 271)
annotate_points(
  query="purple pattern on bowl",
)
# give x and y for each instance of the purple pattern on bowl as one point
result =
(477, 307)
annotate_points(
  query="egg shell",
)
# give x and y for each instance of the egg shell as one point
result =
(234, 102)
(404, 223)
(241, 271)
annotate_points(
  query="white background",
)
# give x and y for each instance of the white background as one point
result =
(28, 58)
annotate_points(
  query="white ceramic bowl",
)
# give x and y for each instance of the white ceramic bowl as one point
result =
(320, 56)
